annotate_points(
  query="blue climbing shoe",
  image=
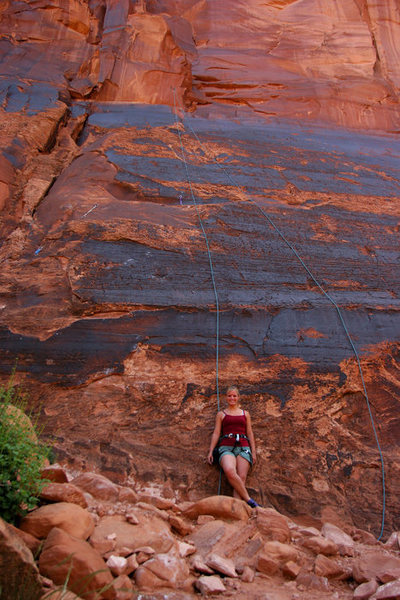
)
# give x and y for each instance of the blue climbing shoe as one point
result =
(252, 503)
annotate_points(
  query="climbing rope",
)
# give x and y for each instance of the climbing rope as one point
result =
(210, 262)
(327, 295)
(208, 252)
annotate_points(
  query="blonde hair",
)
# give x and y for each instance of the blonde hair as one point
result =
(232, 388)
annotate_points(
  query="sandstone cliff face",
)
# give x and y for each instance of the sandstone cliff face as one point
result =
(333, 61)
(106, 295)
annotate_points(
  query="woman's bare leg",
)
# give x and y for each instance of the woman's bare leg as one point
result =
(229, 465)
(242, 468)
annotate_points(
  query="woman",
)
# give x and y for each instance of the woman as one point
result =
(234, 437)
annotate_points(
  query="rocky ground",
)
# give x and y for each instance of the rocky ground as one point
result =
(126, 544)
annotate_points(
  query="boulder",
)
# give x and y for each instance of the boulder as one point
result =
(144, 553)
(222, 565)
(132, 518)
(392, 543)
(125, 552)
(185, 549)
(202, 519)
(209, 585)
(68, 559)
(343, 541)
(29, 540)
(132, 563)
(54, 473)
(247, 575)
(198, 564)
(151, 531)
(123, 587)
(164, 570)
(106, 546)
(279, 552)
(206, 537)
(63, 492)
(120, 565)
(17, 415)
(272, 525)
(309, 581)
(236, 538)
(223, 507)
(306, 531)
(291, 569)
(158, 502)
(266, 564)
(117, 565)
(98, 486)
(72, 518)
(363, 537)
(180, 525)
(145, 506)
(60, 594)
(365, 590)
(389, 591)
(376, 565)
(126, 494)
(19, 575)
(326, 567)
(319, 545)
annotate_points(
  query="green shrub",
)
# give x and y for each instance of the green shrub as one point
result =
(21, 456)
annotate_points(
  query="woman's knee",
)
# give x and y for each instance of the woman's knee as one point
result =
(230, 472)
(242, 468)
(243, 476)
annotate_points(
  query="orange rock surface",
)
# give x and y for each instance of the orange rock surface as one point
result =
(106, 298)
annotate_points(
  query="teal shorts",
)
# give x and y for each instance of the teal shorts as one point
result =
(243, 451)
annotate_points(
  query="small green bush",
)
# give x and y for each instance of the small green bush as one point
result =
(21, 456)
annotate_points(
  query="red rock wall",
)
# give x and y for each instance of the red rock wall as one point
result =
(335, 61)
(105, 291)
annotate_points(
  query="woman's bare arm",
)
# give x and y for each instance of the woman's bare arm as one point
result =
(250, 435)
(215, 436)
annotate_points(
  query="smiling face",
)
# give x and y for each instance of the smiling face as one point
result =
(232, 397)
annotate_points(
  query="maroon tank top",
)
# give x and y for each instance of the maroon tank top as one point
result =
(233, 424)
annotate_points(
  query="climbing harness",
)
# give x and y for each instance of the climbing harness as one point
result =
(237, 436)
(322, 290)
